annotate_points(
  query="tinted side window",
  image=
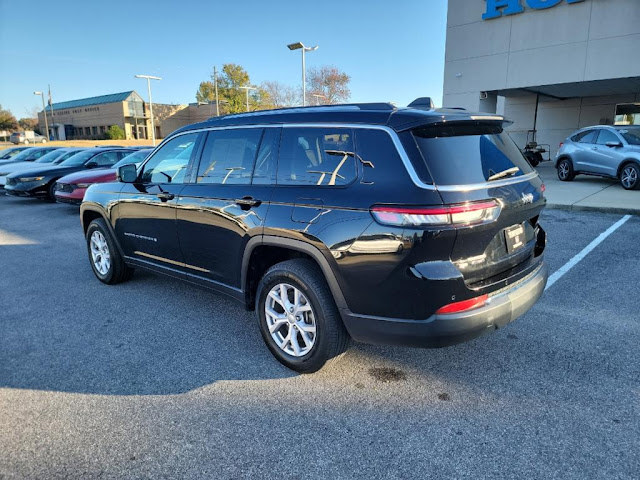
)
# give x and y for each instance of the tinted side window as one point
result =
(380, 159)
(607, 136)
(316, 156)
(105, 159)
(589, 137)
(170, 163)
(228, 156)
(264, 172)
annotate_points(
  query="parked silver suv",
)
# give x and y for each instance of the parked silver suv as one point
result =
(602, 150)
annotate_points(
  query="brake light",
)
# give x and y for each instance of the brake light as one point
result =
(464, 305)
(561, 144)
(454, 215)
(543, 188)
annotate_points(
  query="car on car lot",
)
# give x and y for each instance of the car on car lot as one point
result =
(53, 157)
(40, 182)
(29, 154)
(410, 226)
(71, 188)
(22, 137)
(604, 151)
(7, 153)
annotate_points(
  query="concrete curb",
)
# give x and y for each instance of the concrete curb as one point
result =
(587, 208)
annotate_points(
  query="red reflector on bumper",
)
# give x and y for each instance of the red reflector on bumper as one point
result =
(464, 305)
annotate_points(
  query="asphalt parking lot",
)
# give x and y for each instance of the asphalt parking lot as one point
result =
(156, 379)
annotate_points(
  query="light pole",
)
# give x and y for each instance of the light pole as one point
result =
(44, 111)
(153, 126)
(318, 97)
(300, 46)
(246, 89)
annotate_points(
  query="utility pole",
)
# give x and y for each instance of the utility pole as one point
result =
(44, 111)
(301, 46)
(53, 122)
(215, 84)
(246, 89)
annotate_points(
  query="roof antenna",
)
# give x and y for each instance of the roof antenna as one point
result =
(423, 102)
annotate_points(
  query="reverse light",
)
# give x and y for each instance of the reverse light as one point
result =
(464, 305)
(30, 179)
(455, 215)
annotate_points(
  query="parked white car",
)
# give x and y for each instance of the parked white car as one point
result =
(26, 137)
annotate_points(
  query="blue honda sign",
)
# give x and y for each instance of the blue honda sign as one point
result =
(497, 8)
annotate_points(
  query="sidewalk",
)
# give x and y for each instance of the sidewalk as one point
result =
(588, 193)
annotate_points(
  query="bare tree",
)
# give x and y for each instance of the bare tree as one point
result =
(329, 82)
(280, 95)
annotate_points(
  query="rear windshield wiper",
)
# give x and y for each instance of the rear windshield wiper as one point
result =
(505, 173)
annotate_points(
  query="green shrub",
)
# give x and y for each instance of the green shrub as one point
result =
(115, 133)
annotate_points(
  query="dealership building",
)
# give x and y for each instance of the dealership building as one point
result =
(550, 66)
(90, 118)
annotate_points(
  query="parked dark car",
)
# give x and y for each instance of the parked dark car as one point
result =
(71, 188)
(604, 151)
(40, 182)
(408, 226)
(7, 153)
(29, 154)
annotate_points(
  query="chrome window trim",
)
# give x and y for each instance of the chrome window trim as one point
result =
(394, 138)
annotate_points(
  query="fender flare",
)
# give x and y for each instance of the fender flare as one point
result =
(97, 208)
(300, 246)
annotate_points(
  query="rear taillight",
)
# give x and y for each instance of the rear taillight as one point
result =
(455, 215)
(464, 305)
(561, 144)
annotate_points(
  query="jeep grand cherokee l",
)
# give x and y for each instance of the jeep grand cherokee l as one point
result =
(409, 226)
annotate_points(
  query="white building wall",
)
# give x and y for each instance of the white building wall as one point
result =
(592, 40)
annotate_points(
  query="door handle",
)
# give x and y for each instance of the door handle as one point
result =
(247, 202)
(164, 196)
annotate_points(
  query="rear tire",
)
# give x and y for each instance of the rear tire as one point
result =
(630, 176)
(565, 170)
(105, 259)
(51, 191)
(298, 317)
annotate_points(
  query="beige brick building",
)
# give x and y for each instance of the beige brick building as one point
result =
(90, 118)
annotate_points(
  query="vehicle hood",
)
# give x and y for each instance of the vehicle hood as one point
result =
(101, 175)
(53, 171)
(14, 167)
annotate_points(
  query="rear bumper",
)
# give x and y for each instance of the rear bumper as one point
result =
(443, 330)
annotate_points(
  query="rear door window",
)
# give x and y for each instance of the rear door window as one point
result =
(317, 156)
(589, 136)
(468, 153)
(228, 156)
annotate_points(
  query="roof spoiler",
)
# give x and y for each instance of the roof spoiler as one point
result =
(422, 102)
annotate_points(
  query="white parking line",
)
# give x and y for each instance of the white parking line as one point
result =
(585, 251)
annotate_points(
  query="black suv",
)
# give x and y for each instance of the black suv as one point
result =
(409, 226)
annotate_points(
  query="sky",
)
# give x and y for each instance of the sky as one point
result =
(393, 50)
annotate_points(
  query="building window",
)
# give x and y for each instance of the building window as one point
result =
(103, 129)
(136, 108)
(87, 131)
(94, 130)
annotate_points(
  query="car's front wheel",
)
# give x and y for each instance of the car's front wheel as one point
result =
(106, 262)
(565, 170)
(630, 176)
(297, 316)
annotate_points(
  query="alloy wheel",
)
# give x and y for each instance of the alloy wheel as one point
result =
(563, 170)
(100, 253)
(629, 177)
(290, 320)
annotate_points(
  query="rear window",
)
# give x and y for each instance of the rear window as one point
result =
(462, 154)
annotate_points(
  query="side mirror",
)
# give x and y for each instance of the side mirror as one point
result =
(613, 144)
(127, 173)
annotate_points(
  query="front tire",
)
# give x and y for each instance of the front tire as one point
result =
(630, 176)
(105, 259)
(298, 317)
(565, 170)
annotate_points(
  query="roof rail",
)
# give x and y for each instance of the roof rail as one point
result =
(422, 102)
(275, 111)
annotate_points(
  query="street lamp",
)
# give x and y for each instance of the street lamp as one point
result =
(318, 97)
(300, 46)
(44, 111)
(153, 127)
(246, 89)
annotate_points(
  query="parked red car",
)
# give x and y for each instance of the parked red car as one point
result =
(71, 188)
